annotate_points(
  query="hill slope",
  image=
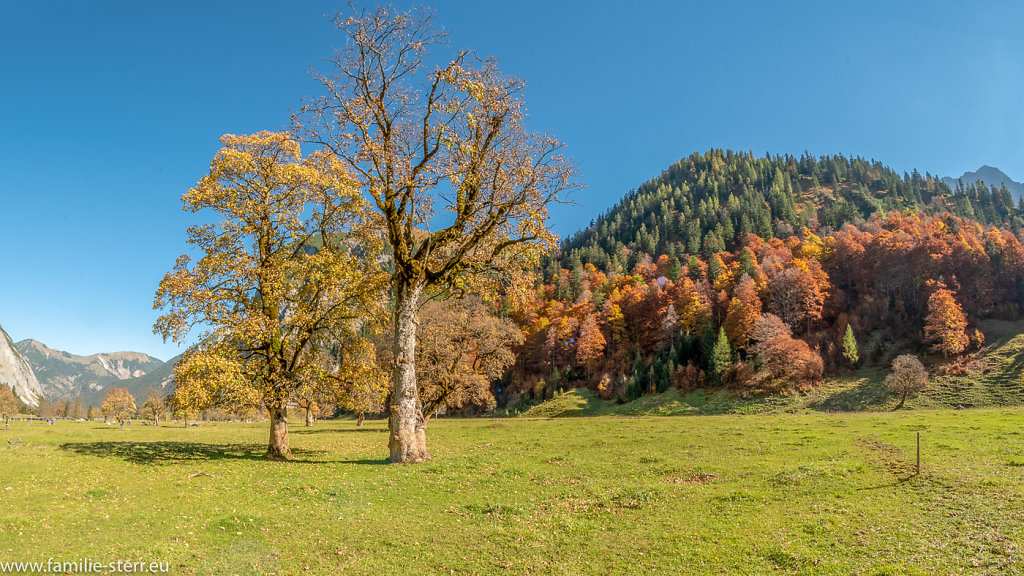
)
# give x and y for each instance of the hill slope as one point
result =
(995, 380)
(710, 202)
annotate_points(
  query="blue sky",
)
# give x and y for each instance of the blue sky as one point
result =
(111, 110)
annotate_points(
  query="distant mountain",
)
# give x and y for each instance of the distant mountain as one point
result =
(17, 373)
(992, 177)
(63, 375)
(160, 378)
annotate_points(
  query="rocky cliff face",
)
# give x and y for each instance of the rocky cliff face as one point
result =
(65, 375)
(16, 372)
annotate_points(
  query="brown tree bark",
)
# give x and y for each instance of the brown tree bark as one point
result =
(309, 416)
(359, 420)
(903, 400)
(278, 447)
(408, 441)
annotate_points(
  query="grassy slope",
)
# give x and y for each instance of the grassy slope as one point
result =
(994, 381)
(810, 493)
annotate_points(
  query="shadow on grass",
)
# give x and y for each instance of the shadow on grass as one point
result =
(158, 453)
(334, 430)
(865, 395)
(368, 461)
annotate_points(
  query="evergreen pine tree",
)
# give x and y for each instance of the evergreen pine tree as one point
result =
(850, 347)
(721, 356)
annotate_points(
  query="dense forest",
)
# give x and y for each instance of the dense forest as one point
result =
(708, 203)
(765, 274)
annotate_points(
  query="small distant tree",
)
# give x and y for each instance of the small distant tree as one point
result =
(850, 352)
(94, 413)
(154, 407)
(945, 326)
(365, 386)
(977, 339)
(9, 404)
(744, 310)
(78, 409)
(46, 409)
(309, 407)
(721, 356)
(908, 377)
(119, 405)
(591, 344)
(181, 408)
(669, 328)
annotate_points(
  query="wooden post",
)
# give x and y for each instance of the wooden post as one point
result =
(918, 453)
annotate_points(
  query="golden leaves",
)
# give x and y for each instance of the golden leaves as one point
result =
(291, 267)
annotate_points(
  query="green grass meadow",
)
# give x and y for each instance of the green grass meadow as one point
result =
(806, 493)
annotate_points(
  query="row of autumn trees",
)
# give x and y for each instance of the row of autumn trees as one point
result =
(770, 314)
(423, 184)
(119, 405)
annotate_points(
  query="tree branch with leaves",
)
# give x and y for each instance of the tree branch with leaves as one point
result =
(460, 186)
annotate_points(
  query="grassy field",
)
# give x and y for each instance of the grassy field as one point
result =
(809, 493)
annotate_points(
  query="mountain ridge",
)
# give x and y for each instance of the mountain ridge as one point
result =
(63, 375)
(992, 177)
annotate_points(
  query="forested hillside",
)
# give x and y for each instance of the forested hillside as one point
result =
(710, 202)
(766, 274)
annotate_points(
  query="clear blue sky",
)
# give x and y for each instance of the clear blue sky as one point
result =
(109, 111)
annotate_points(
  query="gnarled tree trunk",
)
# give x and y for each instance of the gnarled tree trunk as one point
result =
(408, 442)
(359, 420)
(278, 447)
(309, 416)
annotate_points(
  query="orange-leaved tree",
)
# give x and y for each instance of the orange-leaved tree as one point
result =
(461, 187)
(590, 348)
(945, 326)
(744, 310)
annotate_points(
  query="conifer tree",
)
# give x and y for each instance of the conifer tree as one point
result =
(721, 356)
(850, 347)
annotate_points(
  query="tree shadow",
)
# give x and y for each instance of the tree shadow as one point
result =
(368, 461)
(865, 395)
(160, 453)
(334, 430)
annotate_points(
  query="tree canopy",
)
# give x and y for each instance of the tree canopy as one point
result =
(288, 278)
(460, 186)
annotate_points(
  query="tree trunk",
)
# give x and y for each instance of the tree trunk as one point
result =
(309, 416)
(408, 441)
(278, 447)
(903, 400)
(359, 420)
